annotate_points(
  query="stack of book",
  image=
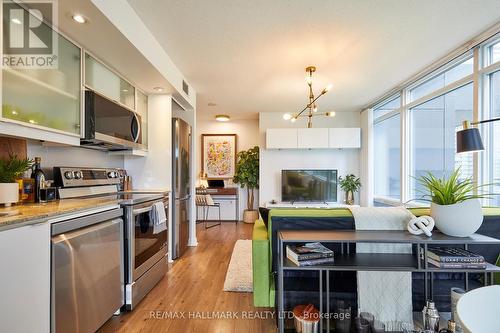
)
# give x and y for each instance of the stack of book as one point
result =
(309, 254)
(454, 258)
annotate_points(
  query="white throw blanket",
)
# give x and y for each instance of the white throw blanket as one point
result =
(388, 295)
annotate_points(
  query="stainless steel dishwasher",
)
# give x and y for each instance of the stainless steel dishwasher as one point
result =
(87, 271)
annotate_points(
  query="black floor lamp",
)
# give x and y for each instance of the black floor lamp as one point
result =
(469, 139)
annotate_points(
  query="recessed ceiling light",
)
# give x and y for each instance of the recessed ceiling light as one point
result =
(16, 21)
(158, 89)
(79, 18)
(222, 117)
(125, 90)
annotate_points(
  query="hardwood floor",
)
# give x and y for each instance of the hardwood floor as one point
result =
(192, 288)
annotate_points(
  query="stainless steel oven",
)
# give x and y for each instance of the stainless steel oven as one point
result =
(145, 247)
(147, 250)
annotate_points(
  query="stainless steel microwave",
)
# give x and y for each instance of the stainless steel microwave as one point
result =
(109, 125)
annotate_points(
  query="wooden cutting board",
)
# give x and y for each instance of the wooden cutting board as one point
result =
(12, 146)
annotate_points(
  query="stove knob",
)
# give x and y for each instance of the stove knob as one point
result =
(68, 175)
(112, 174)
(78, 175)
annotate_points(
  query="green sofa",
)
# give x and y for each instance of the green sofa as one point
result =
(263, 280)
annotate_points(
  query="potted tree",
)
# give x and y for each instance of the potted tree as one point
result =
(11, 169)
(455, 204)
(350, 185)
(247, 175)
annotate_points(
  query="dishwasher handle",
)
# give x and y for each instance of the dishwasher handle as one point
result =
(84, 221)
(83, 231)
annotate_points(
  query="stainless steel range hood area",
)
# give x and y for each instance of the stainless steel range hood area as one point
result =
(110, 125)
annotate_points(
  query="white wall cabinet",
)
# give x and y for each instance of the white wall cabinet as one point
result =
(101, 79)
(345, 137)
(38, 101)
(279, 138)
(310, 138)
(313, 138)
(25, 279)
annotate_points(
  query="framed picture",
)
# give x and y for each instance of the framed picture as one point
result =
(218, 155)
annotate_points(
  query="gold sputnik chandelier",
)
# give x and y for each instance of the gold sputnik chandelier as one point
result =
(311, 109)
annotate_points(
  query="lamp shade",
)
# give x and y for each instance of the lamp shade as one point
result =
(469, 140)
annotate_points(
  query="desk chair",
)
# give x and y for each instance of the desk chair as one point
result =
(205, 201)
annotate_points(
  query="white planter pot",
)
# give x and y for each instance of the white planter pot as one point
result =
(9, 193)
(458, 220)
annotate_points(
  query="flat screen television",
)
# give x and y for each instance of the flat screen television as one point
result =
(309, 185)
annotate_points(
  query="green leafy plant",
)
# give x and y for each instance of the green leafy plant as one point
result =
(350, 183)
(13, 168)
(450, 190)
(247, 172)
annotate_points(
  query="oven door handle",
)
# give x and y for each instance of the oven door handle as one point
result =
(141, 210)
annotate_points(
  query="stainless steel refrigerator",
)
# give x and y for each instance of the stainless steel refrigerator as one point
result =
(181, 185)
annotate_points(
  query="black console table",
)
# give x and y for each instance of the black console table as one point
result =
(348, 261)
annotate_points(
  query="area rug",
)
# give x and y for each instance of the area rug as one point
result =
(239, 272)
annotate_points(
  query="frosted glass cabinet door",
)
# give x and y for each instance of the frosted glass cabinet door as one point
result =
(102, 80)
(47, 98)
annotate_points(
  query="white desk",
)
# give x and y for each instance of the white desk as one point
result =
(228, 200)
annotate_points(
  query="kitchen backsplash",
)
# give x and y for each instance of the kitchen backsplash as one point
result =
(71, 156)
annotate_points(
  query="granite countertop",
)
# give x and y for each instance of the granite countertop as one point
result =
(23, 214)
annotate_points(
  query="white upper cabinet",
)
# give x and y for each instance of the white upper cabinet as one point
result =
(309, 138)
(44, 99)
(101, 79)
(281, 138)
(313, 138)
(345, 137)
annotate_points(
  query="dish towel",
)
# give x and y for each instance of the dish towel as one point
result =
(388, 295)
(158, 217)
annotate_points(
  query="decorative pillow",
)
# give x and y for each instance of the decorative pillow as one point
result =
(264, 214)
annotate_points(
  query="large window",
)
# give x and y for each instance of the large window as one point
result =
(433, 136)
(494, 52)
(456, 72)
(494, 144)
(387, 107)
(387, 157)
(415, 130)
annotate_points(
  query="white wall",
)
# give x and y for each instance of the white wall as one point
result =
(153, 172)
(272, 161)
(71, 157)
(248, 137)
(366, 158)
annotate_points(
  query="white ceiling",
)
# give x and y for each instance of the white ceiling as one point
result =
(249, 56)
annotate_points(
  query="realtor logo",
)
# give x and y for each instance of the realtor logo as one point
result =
(28, 39)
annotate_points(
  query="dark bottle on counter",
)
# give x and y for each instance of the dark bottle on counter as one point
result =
(39, 177)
